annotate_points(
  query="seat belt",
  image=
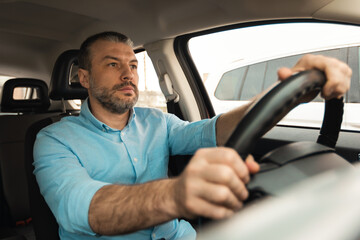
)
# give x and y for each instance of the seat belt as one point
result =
(171, 96)
(176, 163)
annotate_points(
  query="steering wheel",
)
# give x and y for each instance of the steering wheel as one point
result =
(294, 162)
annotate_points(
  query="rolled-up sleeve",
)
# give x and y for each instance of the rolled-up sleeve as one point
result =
(186, 137)
(64, 183)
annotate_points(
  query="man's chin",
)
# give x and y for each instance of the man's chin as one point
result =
(129, 99)
(130, 102)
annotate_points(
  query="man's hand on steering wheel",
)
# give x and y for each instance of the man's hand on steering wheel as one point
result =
(213, 183)
(338, 74)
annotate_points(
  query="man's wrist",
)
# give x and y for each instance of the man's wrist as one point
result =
(169, 205)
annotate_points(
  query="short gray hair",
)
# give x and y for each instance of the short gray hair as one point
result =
(84, 54)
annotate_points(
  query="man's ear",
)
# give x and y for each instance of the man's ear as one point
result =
(84, 78)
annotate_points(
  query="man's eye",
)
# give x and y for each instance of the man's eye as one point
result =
(134, 66)
(112, 64)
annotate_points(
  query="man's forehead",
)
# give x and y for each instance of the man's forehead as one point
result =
(102, 48)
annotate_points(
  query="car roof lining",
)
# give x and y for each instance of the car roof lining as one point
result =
(68, 22)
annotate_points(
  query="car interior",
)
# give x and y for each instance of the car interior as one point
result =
(39, 45)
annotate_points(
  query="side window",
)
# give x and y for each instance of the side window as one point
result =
(244, 62)
(150, 94)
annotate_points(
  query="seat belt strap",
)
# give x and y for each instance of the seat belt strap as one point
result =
(171, 96)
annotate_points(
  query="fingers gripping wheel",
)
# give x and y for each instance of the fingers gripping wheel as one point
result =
(272, 107)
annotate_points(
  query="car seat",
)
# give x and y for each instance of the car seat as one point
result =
(61, 88)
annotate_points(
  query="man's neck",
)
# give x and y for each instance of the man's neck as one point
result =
(113, 120)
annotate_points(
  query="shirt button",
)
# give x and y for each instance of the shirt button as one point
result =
(154, 235)
(135, 159)
(122, 134)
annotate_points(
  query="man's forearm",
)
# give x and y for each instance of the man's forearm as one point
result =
(120, 209)
(227, 122)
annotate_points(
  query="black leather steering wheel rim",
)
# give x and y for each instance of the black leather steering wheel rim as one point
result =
(264, 113)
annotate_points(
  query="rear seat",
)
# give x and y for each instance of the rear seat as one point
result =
(17, 116)
(61, 88)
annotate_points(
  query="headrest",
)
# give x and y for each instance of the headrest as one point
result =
(64, 80)
(39, 101)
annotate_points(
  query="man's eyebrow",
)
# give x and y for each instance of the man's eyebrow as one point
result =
(117, 59)
(111, 57)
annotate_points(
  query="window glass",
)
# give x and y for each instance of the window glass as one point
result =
(26, 93)
(150, 94)
(238, 64)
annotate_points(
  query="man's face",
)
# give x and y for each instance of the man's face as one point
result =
(113, 78)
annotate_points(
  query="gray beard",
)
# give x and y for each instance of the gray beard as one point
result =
(112, 103)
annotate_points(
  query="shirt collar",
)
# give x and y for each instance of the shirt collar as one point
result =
(86, 113)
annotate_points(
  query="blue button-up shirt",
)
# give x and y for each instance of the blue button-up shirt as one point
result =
(77, 156)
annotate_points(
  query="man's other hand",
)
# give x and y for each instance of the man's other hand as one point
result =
(213, 183)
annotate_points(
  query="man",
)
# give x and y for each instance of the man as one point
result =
(104, 173)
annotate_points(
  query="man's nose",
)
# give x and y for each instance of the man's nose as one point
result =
(126, 73)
